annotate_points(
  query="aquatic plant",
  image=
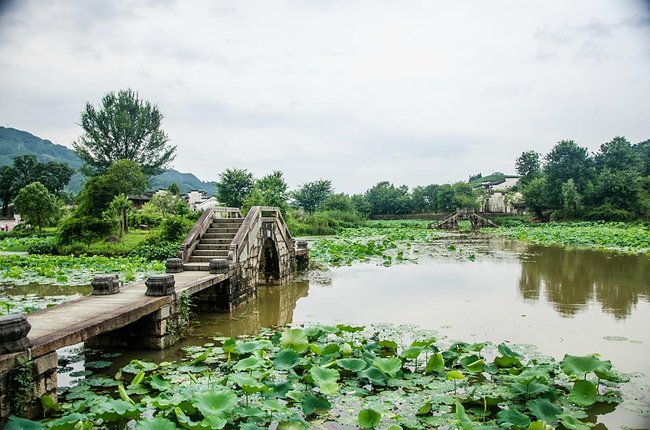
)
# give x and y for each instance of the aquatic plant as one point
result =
(71, 270)
(381, 376)
(616, 236)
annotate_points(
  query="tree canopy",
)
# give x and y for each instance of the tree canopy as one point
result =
(310, 195)
(123, 128)
(25, 170)
(36, 204)
(122, 177)
(234, 186)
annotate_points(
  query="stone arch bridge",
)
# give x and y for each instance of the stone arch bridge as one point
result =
(220, 264)
(452, 221)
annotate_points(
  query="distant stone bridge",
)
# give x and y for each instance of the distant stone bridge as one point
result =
(220, 264)
(452, 221)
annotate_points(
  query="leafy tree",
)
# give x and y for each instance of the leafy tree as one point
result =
(535, 196)
(123, 128)
(26, 169)
(36, 204)
(566, 161)
(619, 154)
(643, 149)
(311, 195)
(270, 190)
(174, 189)
(571, 200)
(528, 166)
(423, 198)
(233, 186)
(361, 204)
(118, 209)
(386, 199)
(459, 195)
(338, 202)
(122, 177)
(619, 189)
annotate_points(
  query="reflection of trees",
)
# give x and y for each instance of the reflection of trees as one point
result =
(572, 278)
(274, 306)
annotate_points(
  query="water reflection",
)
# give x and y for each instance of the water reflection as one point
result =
(274, 306)
(571, 279)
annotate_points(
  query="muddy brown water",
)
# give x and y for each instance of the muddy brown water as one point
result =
(563, 301)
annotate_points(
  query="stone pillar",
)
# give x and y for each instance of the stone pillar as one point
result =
(23, 382)
(302, 255)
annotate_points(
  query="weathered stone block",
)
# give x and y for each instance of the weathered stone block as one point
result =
(46, 363)
(13, 333)
(174, 265)
(219, 265)
(160, 285)
(105, 285)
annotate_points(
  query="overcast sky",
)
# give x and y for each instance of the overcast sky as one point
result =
(413, 92)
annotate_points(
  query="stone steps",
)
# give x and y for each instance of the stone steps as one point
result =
(215, 243)
(213, 246)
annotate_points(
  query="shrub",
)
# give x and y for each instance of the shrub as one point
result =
(74, 248)
(83, 229)
(607, 212)
(156, 251)
(44, 245)
(174, 228)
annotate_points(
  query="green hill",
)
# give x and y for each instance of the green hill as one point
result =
(15, 142)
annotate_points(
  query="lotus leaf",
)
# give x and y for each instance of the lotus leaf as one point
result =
(368, 418)
(295, 339)
(582, 365)
(544, 410)
(584, 393)
(325, 379)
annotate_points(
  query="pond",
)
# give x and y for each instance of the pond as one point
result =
(563, 301)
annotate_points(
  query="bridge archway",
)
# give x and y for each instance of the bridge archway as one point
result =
(269, 268)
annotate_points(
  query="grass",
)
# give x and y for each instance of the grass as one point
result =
(129, 242)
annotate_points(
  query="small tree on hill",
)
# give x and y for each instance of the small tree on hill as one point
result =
(123, 128)
(36, 204)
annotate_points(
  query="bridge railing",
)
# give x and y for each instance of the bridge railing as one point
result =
(197, 231)
(225, 212)
(247, 234)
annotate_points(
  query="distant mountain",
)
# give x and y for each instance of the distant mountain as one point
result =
(17, 142)
(186, 181)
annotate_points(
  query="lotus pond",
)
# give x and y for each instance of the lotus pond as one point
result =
(488, 299)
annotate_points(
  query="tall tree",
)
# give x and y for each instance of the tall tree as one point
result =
(310, 195)
(566, 161)
(619, 154)
(233, 186)
(36, 204)
(270, 190)
(123, 128)
(386, 199)
(122, 177)
(528, 166)
(643, 149)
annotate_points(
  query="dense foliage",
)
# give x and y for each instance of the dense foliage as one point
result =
(234, 186)
(617, 236)
(25, 170)
(378, 377)
(37, 205)
(611, 185)
(123, 128)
